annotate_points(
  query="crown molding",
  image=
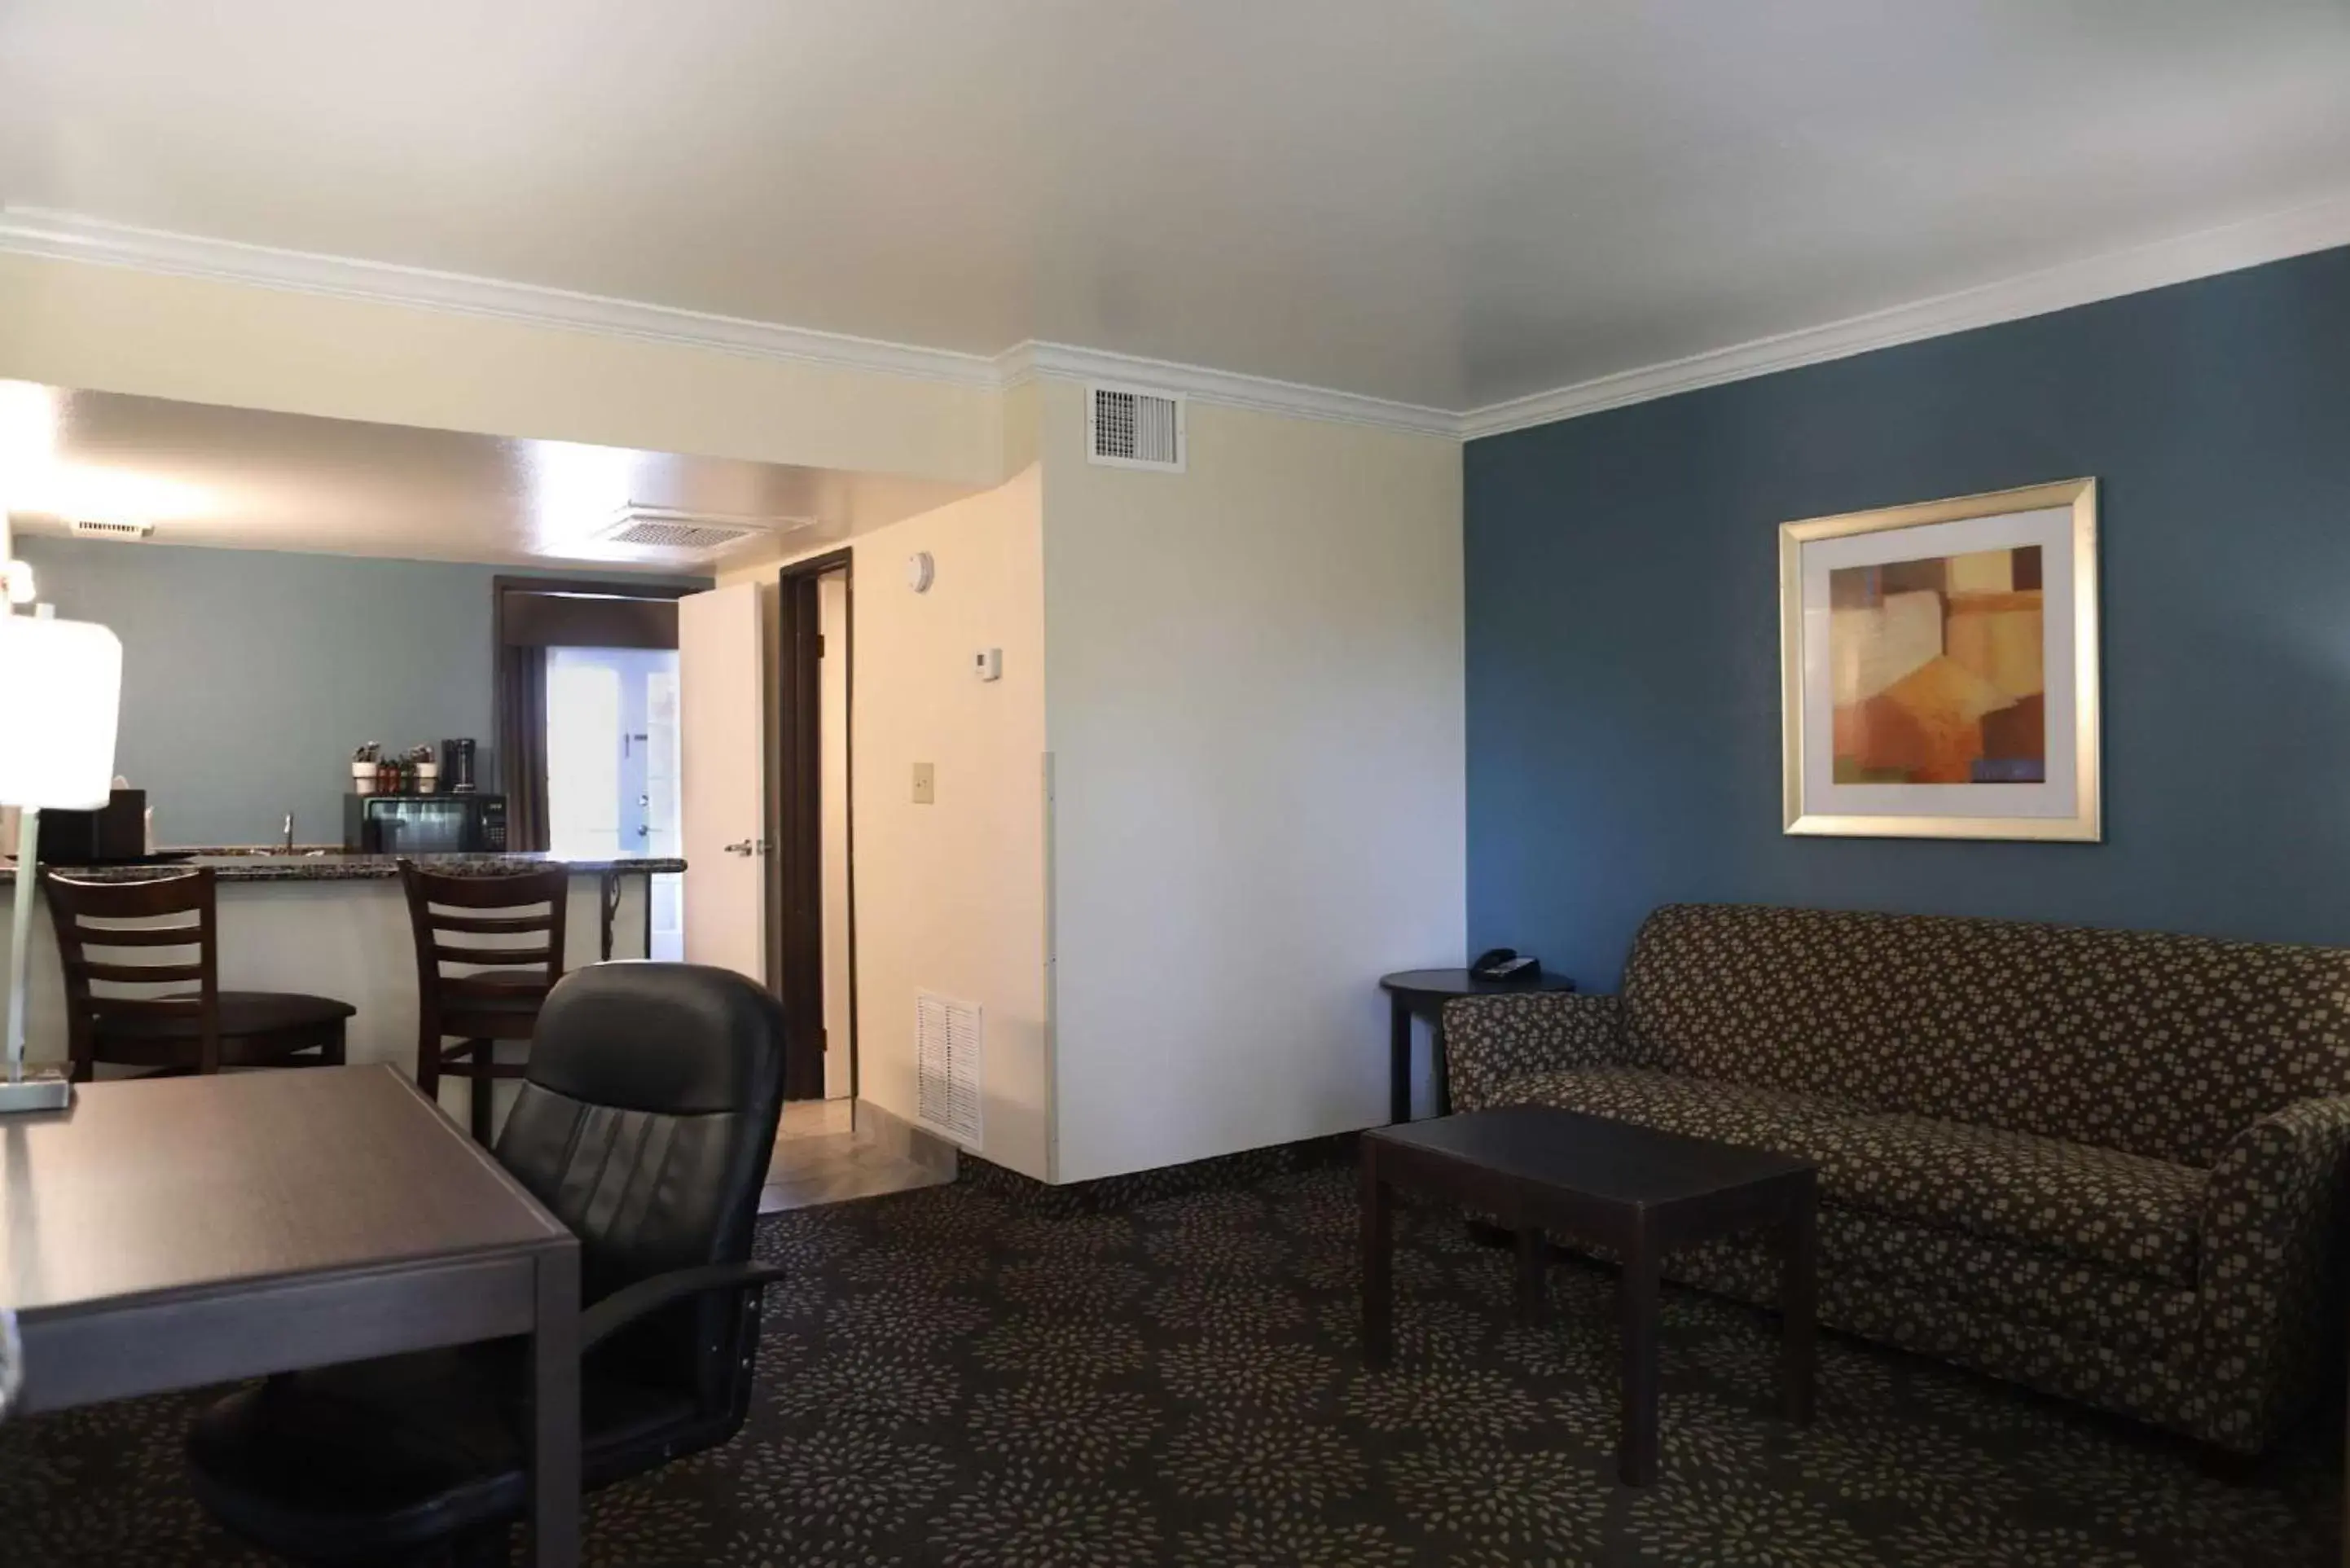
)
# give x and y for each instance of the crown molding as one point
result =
(1065, 362)
(68, 237)
(2319, 225)
(54, 235)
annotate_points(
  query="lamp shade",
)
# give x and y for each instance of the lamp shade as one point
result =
(61, 695)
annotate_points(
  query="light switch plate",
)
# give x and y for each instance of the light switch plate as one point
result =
(926, 785)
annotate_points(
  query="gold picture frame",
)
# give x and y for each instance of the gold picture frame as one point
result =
(1902, 664)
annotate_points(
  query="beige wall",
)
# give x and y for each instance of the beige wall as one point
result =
(1255, 678)
(949, 897)
(1257, 695)
(71, 324)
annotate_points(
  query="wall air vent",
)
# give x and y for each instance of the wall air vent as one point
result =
(947, 1076)
(1133, 427)
(107, 528)
(666, 534)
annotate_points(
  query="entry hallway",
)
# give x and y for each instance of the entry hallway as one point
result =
(820, 1158)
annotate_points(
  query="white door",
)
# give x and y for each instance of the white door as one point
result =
(722, 743)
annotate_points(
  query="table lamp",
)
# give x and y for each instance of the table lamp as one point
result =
(61, 695)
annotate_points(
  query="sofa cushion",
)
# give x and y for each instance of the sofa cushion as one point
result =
(1742, 1113)
(2127, 1212)
(2120, 1211)
(1926, 1265)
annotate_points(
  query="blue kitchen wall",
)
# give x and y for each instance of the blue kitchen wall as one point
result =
(249, 675)
(1623, 662)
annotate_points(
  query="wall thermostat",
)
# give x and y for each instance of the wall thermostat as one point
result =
(920, 571)
(988, 663)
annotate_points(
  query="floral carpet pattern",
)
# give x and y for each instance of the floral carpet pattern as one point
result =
(951, 1376)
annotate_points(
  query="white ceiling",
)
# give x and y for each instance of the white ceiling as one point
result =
(249, 478)
(1447, 203)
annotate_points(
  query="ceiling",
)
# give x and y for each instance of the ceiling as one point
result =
(1444, 203)
(249, 478)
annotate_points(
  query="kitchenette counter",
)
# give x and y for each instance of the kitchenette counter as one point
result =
(334, 866)
(337, 925)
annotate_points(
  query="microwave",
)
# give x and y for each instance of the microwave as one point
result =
(424, 824)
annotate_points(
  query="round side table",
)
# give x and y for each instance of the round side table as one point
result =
(1422, 993)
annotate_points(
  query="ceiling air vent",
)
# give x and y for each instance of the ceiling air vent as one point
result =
(102, 528)
(1129, 427)
(664, 533)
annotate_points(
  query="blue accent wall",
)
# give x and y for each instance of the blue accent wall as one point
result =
(1623, 660)
(249, 675)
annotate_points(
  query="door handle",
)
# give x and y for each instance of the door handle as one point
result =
(744, 848)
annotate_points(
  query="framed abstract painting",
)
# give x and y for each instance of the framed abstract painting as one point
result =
(1939, 668)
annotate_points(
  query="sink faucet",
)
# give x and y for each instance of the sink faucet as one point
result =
(289, 833)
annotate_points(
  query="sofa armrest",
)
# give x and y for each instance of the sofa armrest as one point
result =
(1490, 1039)
(2268, 1219)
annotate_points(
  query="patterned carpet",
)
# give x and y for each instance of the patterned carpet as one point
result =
(953, 1376)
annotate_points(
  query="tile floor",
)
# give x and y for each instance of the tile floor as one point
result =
(819, 1159)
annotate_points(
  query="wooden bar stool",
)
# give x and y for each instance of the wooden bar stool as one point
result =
(502, 980)
(178, 1030)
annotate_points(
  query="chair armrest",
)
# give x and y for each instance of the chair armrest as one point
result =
(631, 1304)
(1490, 1039)
(2268, 1217)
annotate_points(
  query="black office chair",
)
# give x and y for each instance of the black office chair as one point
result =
(645, 1122)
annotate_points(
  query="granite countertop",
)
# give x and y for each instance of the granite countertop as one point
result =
(233, 865)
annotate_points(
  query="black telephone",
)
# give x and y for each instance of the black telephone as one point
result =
(1504, 963)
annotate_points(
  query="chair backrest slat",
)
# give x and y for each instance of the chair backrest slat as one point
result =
(446, 953)
(144, 973)
(458, 990)
(492, 925)
(180, 936)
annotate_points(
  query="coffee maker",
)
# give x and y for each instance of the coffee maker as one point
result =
(457, 766)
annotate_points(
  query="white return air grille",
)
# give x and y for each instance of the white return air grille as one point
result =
(102, 528)
(947, 1068)
(1132, 427)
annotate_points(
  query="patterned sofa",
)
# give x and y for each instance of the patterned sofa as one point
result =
(2103, 1163)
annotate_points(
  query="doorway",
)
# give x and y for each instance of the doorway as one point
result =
(814, 896)
(612, 755)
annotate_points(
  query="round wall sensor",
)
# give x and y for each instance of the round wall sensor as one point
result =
(919, 570)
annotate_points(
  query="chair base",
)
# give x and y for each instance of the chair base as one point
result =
(392, 1462)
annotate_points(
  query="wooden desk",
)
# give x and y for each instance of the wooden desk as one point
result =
(173, 1233)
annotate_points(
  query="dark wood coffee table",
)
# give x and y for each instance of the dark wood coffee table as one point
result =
(1637, 1192)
